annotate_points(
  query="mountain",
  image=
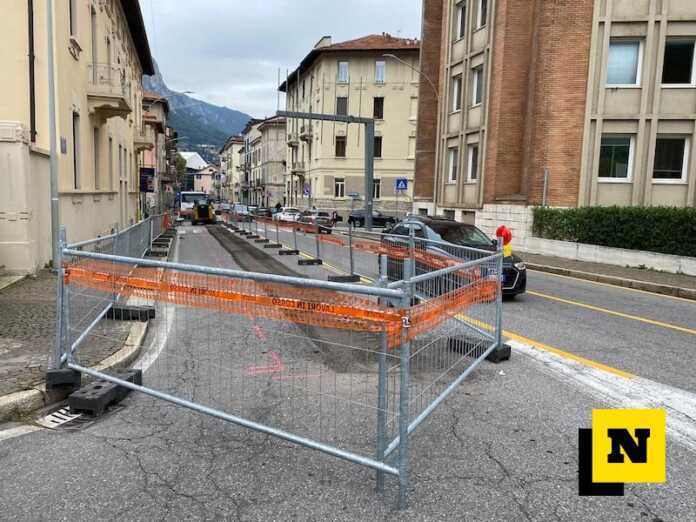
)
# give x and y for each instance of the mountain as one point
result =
(202, 127)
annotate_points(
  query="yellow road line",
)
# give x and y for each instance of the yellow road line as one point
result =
(526, 340)
(631, 317)
(683, 299)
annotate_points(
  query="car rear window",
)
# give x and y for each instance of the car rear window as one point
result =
(462, 234)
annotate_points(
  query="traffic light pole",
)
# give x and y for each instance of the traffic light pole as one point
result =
(369, 149)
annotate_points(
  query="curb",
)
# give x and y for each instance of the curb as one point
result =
(22, 403)
(655, 288)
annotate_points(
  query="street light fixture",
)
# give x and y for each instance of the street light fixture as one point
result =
(420, 73)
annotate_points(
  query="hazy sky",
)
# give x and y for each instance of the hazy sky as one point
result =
(228, 51)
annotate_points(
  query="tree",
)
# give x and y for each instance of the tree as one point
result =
(180, 164)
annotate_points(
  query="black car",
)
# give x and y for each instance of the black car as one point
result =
(463, 234)
(357, 219)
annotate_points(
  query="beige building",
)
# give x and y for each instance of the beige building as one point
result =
(578, 102)
(206, 180)
(325, 160)
(101, 52)
(152, 160)
(230, 167)
(268, 178)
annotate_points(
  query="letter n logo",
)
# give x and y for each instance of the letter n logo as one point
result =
(628, 446)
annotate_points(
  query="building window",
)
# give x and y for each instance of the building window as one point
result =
(477, 85)
(303, 89)
(671, 159)
(472, 169)
(339, 187)
(422, 211)
(461, 20)
(96, 158)
(411, 147)
(342, 106)
(340, 146)
(76, 149)
(678, 67)
(378, 108)
(452, 164)
(380, 67)
(615, 158)
(623, 63)
(456, 93)
(482, 13)
(342, 72)
(449, 214)
(72, 15)
(376, 188)
(111, 163)
(378, 146)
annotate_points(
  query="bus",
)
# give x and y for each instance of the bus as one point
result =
(186, 202)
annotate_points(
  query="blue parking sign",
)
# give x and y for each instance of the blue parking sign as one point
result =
(401, 184)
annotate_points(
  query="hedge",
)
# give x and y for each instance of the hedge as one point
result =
(667, 230)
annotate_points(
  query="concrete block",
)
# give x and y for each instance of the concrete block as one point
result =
(97, 396)
(273, 245)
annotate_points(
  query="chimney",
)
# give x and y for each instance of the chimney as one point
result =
(324, 41)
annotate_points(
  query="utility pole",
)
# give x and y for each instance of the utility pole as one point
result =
(55, 203)
(369, 149)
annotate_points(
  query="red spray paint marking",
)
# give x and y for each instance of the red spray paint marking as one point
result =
(276, 367)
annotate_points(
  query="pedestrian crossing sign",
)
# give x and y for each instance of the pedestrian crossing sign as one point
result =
(401, 184)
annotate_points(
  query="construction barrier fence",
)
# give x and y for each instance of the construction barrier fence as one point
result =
(349, 369)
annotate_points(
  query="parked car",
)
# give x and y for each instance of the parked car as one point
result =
(456, 233)
(225, 206)
(262, 212)
(314, 217)
(287, 214)
(238, 208)
(357, 219)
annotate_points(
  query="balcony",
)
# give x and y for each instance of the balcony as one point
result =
(141, 142)
(306, 133)
(292, 139)
(298, 167)
(108, 91)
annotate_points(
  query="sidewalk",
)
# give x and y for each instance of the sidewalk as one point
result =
(677, 285)
(27, 326)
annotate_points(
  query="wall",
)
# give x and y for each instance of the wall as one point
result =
(643, 111)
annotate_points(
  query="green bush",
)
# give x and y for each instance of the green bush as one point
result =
(668, 230)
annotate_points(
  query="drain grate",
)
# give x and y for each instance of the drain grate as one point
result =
(59, 418)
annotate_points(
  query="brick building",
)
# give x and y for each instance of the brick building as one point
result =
(564, 102)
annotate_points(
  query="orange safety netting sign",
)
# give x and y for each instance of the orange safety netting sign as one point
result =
(277, 301)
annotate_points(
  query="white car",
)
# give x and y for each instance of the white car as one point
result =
(287, 214)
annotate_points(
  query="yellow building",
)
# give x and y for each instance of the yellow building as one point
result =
(325, 160)
(100, 53)
(231, 167)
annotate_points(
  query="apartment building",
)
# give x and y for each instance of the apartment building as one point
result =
(373, 76)
(101, 52)
(152, 160)
(231, 168)
(564, 103)
(262, 162)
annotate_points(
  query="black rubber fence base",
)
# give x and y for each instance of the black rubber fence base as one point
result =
(273, 245)
(288, 252)
(131, 313)
(262, 240)
(63, 379)
(305, 262)
(95, 397)
(344, 278)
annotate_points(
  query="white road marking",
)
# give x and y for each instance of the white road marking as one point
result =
(158, 343)
(638, 392)
(17, 432)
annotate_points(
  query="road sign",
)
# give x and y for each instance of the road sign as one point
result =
(400, 184)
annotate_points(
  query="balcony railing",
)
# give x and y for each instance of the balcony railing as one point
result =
(108, 91)
(292, 139)
(298, 167)
(306, 133)
(108, 79)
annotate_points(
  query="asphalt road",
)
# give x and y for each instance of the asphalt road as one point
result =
(503, 447)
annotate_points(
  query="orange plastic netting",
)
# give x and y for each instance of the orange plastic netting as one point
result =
(277, 301)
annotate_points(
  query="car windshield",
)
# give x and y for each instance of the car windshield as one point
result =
(291, 211)
(463, 235)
